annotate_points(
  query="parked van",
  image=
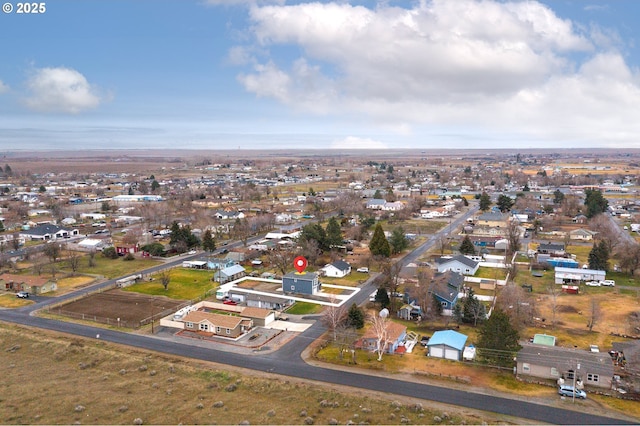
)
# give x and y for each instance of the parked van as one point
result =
(609, 283)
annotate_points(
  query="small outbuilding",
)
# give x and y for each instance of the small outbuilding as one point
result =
(447, 344)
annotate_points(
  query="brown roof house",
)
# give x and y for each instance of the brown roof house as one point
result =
(553, 362)
(396, 334)
(217, 324)
(29, 283)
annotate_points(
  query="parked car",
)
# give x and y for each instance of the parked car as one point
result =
(22, 295)
(230, 302)
(424, 341)
(593, 283)
(609, 283)
(363, 270)
(594, 348)
(568, 390)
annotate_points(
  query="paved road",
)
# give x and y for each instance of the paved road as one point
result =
(287, 361)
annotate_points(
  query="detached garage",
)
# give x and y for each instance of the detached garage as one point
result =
(447, 344)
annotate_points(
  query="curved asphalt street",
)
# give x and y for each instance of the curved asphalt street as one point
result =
(287, 360)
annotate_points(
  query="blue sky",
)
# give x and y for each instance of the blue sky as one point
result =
(227, 74)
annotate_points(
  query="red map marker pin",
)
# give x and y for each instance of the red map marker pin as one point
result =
(300, 263)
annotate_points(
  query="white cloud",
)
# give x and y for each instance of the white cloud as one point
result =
(490, 66)
(61, 90)
(353, 142)
(3, 87)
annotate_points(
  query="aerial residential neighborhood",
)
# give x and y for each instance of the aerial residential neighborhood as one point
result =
(320, 212)
(223, 271)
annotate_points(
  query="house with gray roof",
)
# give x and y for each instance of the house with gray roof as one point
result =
(305, 283)
(229, 274)
(446, 287)
(337, 269)
(552, 248)
(553, 362)
(458, 263)
(47, 232)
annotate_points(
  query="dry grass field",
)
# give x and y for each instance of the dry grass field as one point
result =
(54, 379)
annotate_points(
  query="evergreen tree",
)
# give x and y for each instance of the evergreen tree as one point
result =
(595, 202)
(355, 317)
(155, 186)
(7, 170)
(498, 342)
(379, 246)
(314, 231)
(398, 240)
(130, 192)
(382, 297)
(505, 203)
(599, 256)
(1, 226)
(182, 238)
(469, 310)
(42, 189)
(377, 195)
(208, 243)
(334, 233)
(467, 247)
(154, 249)
(558, 197)
(485, 202)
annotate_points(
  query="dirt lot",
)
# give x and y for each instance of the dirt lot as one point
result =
(107, 307)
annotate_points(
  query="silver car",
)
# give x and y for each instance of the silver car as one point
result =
(567, 390)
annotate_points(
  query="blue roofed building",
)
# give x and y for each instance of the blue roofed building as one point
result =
(447, 344)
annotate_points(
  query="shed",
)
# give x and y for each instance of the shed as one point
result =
(544, 339)
(447, 344)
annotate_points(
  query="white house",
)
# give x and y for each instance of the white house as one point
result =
(458, 263)
(337, 269)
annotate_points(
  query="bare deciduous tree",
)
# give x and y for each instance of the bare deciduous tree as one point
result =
(517, 304)
(595, 313)
(553, 292)
(346, 338)
(281, 259)
(379, 323)
(606, 231)
(165, 278)
(422, 293)
(333, 317)
(629, 257)
(74, 261)
(92, 258)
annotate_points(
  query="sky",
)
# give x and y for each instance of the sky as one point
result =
(260, 74)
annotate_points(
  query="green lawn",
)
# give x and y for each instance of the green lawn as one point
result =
(304, 308)
(491, 273)
(110, 268)
(423, 226)
(185, 284)
(354, 279)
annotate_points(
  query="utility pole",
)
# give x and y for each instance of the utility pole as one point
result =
(575, 373)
